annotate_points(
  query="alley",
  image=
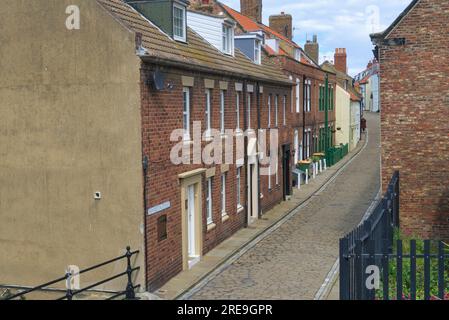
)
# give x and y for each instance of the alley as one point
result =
(293, 261)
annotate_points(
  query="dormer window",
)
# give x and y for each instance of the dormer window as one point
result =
(228, 39)
(251, 45)
(179, 22)
(257, 52)
(297, 54)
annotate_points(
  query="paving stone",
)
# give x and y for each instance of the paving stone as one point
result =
(293, 261)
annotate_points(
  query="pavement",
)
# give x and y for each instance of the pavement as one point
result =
(290, 252)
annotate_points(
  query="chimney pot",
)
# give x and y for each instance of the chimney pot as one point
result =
(283, 24)
(313, 49)
(340, 60)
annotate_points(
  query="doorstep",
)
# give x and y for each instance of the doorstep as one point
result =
(186, 280)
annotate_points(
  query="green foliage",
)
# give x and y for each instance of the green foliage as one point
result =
(406, 271)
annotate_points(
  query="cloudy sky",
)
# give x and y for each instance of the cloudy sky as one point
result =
(338, 23)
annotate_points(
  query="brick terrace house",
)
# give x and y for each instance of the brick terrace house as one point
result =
(306, 119)
(414, 72)
(194, 206)
(87, 121)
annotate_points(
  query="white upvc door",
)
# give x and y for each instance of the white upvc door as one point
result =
(193, 254)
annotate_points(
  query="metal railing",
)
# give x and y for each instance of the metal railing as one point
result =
(129, 292)
(336, 153)
(375, 234)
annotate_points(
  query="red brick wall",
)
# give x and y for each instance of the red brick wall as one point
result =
(415, 118)
(161, 114)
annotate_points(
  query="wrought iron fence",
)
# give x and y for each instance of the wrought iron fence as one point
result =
(128, 293)
(404, 269)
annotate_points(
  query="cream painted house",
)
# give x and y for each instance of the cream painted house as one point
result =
(343, 116)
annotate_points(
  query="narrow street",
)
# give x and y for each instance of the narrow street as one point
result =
(293, 261)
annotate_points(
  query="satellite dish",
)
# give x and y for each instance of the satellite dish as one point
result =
(158, 80)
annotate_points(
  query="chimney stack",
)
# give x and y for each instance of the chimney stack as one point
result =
(282, 23)
(340, 60)
(252, 9)
(312, 48)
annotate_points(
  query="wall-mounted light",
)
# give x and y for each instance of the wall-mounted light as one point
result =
(97, 195)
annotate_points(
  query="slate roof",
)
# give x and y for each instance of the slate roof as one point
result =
(196, 52)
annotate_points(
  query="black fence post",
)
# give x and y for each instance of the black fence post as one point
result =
(69, 292)
(344, 269)
(130, 294)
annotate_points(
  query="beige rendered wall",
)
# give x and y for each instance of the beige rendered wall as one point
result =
(69, 126)
(342, 116)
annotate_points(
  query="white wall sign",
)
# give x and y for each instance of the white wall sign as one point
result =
(159, 208)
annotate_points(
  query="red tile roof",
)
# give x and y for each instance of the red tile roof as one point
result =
(251, 26)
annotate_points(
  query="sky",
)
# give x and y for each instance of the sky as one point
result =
(337, 23)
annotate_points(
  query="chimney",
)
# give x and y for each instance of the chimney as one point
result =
(340, 58)
(282, 23)
(312, 48)
(252, 9)
(202, 6)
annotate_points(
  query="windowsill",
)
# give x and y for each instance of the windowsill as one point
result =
(211, 227)
(240, 208)
(188, 142)
(208, 138)
(225, 218)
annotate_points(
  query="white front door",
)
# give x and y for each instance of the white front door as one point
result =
(191, 236)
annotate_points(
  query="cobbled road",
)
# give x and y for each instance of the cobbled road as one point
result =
(293, 261)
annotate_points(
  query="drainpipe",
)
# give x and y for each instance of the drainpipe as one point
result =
(245, 142)
(145, 180)
(259, 209)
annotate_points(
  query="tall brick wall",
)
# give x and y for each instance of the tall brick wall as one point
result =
(415, 118)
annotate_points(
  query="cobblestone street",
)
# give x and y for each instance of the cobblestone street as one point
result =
(294, 260)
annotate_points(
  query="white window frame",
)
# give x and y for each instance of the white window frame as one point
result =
(248, 109)
(307, 95)
(223, 194)
(257, 51)
(237, 110)
(186, 112)
(269, 176)
(298, 96)
(239, 186)
(277, 173)
(228, 39)
(184, 28)
(284, 107)
(269, 111)
(276, 111)
(222, 111)
(208, 110)
(209, 213)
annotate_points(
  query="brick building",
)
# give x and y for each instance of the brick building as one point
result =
(307, 118)
(413, 55)
(193, 206)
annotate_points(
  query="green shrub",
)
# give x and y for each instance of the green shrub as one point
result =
(406, 271)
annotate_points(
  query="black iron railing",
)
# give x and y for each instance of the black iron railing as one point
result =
(375, 234)
(128, 293)
(375, 265)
